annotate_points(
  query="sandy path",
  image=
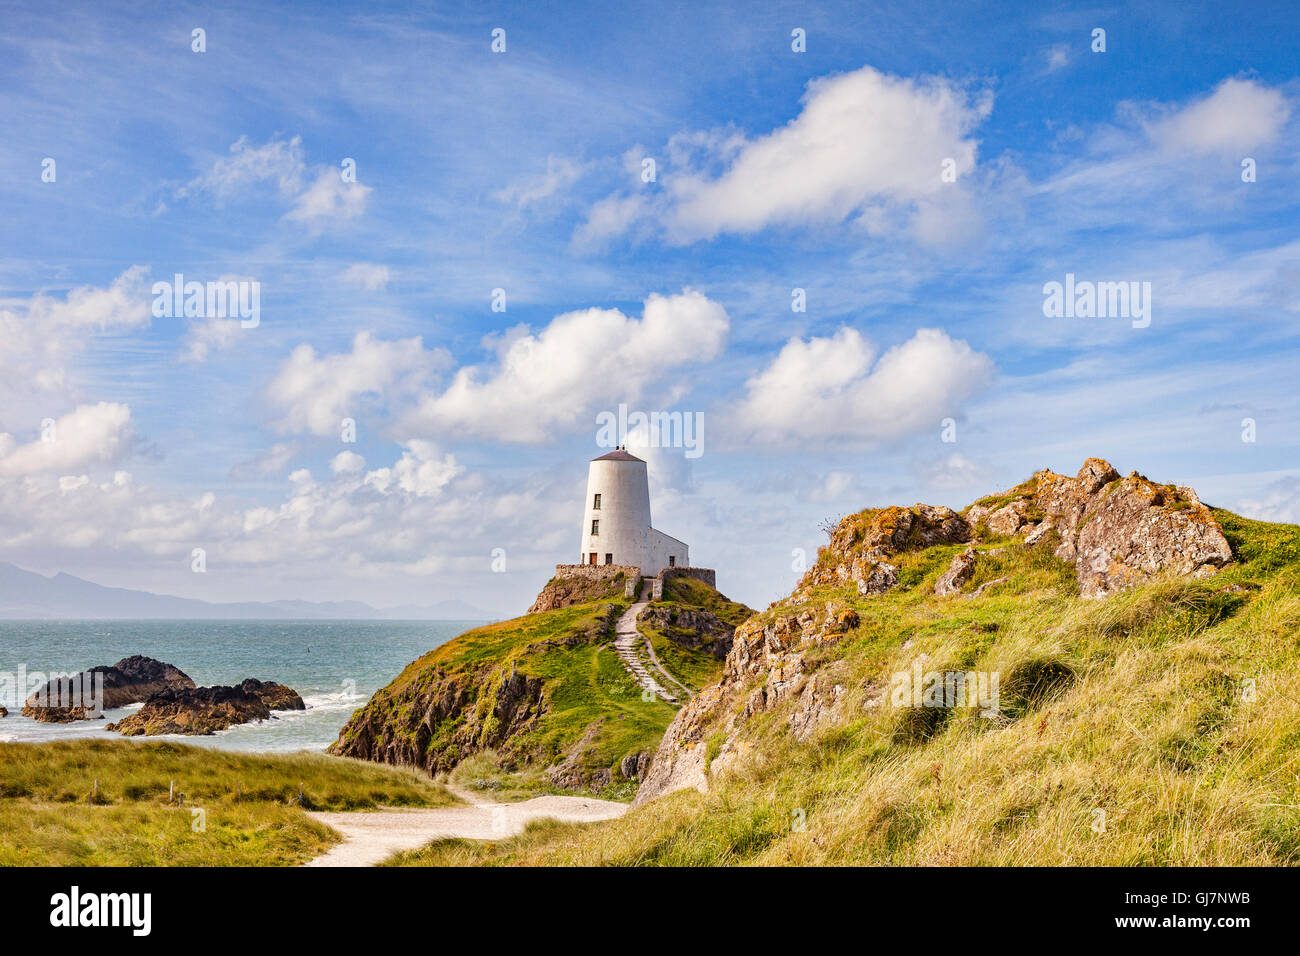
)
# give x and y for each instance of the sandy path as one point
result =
(371, 836)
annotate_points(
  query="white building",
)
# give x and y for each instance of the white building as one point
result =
(616, 527)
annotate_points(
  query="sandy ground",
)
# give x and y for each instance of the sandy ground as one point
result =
(369, 837)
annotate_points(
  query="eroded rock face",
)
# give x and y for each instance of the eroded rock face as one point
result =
(773, 649)
(206, 710)
(131, 680)
(862, 544)
(1115, 531)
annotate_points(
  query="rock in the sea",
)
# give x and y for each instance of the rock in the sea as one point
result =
(275, 696)
(131, 680)
(959, 572)
(206, 710)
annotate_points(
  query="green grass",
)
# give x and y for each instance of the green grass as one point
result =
(251, 813)
(589, 715)
(1171, 710)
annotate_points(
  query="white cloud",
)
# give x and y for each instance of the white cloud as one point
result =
(347, 463)
(368, 275)
(420, 471)
(1280, 502)
(38, 339)
(610, 217)
(328, 201)
(1238, 115)
(205, 336)
(1057, 58)
(834, 391)
(832, 488)
(90, 433)
(317, 201)
(558, 377)
(273, 461)
(955, 470)
(278, 161)
(863, 141)
(560, 174)
(318, 392)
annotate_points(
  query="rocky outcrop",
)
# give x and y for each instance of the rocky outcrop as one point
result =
(581, 584)
(959, 572)
(691, 627)
(1115, 531)
(131, 680)
(275, 696)
(771, 649)
(206, 710)
(863, 544)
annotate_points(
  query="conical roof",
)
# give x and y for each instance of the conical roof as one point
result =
(618, 454)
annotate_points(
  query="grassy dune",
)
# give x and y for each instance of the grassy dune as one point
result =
(1157, 727)
(251, 811)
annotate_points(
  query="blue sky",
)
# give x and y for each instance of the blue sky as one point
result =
(522, 171)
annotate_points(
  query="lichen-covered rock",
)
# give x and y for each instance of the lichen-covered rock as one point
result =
(131, 680)
(1115, 531)
(862, 544)
(581, 583)
(959, 572)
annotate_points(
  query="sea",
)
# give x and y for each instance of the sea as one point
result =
(334, 665)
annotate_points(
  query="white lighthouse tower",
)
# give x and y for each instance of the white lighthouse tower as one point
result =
(616, 527)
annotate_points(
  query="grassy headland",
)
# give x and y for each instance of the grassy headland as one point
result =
(1159, 726)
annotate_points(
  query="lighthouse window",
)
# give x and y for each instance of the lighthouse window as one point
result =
(609, 558)
(672, 560)
(595, 526)
(595, 505)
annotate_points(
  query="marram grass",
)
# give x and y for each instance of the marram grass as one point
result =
(127, 803)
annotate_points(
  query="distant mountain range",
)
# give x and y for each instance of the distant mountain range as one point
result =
(26, 594)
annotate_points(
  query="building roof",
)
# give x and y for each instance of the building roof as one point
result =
(619, 454)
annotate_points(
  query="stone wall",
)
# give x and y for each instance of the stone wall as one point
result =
(707, 575)
(595, 572)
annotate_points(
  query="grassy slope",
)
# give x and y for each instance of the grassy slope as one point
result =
(694, 667)
(586, 685)
(1157, 730)
(46, 818)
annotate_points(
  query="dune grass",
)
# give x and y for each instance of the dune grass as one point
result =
(106, 803)
(1160, 726)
